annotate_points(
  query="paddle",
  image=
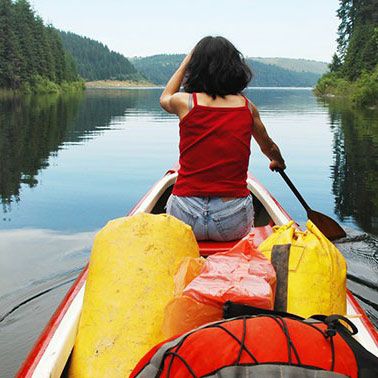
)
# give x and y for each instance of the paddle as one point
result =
(330, 228)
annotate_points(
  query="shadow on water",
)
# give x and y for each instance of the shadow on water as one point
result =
(355, 167)
(355, 183)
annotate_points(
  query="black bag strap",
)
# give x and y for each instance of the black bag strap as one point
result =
(233, 310)
(334, 325)
(367, 362)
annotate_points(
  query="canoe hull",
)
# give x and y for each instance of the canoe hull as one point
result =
(53, 348)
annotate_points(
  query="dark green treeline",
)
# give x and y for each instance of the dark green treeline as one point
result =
(358, 38)
(354, 68)
(95, 61)
(31, 54)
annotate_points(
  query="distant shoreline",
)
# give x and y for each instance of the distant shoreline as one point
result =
(120, 84)
(103, 84)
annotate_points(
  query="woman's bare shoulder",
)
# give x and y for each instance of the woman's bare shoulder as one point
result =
(175, 103)
(180, 103)
(252, 107)
(180, 98)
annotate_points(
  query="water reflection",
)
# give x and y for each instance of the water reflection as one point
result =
(33, 128)
(354, 171)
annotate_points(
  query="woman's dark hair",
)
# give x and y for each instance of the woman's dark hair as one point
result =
(216, 68)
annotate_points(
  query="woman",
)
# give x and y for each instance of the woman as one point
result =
(216, 125)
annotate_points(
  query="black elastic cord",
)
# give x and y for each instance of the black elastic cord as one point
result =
(239, 342)
(161, 367)
(290, 345)
(182, 359)
(293, 348)
(277, 320)
(329, 333)
(242, 344)
(170, 363)
(333, 354)
(177, 348)
(284, 330)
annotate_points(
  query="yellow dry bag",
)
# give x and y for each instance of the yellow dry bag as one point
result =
(311, 271)
(130, 281)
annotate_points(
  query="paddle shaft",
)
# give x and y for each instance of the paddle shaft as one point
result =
(329, 227)
(294, 189)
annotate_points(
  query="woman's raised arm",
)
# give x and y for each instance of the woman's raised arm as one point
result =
(170, 99)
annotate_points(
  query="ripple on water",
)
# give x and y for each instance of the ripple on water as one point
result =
(361, 252)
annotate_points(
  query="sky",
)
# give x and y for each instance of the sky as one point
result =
(265, 28)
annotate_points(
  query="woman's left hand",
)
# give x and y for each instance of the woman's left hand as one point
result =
(276, 165)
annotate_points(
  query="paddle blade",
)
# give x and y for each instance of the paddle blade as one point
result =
(330, 228)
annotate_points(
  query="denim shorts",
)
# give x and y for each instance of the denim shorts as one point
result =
(211, 218)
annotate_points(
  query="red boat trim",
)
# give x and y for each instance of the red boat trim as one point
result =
(135, 208)
(364, 318)
(33, 358)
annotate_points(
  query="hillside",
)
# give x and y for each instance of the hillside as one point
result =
(159, 68)
(95, 61)
(269, 75)
(298, 65)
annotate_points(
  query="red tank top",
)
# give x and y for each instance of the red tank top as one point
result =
(214, 151)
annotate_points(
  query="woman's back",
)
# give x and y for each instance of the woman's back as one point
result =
(211, 192)
(214, 147)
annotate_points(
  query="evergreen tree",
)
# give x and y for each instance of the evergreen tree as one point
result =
(25, 32)
(335, 64)
(358, 36)
(96, 62)
(58, 54)
(356, 63)
(10, 58)
(346, 15)
(30, 51)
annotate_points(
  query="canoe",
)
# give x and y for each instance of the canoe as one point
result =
(49, 356)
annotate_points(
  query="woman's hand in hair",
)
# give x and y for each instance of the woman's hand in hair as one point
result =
(187, 58)
(170, 100)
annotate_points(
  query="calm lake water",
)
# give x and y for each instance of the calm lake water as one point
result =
(70, 163)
